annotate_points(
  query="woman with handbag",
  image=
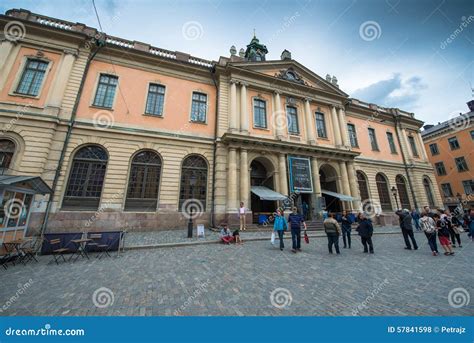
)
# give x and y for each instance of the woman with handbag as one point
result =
(279, 227)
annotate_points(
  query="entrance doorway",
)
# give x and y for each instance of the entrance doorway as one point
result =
(328, 179)
(261, 176)
(304, 204)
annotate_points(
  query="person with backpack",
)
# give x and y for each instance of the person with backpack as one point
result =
(428, 226)
(443, 235)
(333, 231)
(280, 226)
(366, 230)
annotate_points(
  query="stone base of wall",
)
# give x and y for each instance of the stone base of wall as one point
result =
(386, 220)
(72, 221)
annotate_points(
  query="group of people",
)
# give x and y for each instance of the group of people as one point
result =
(441, 224)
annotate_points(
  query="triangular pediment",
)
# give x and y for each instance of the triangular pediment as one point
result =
(291, 71)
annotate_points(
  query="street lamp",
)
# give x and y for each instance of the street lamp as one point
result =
(394, 193)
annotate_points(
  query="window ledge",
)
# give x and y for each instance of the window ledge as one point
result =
(26, 96)
(198, 122)
(153, 115)
(102, 108)
(261, 128)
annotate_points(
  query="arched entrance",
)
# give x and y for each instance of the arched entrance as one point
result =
(261, 174)
(328, 180)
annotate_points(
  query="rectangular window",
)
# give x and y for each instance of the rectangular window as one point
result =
(199, 108)
(434, 149)
(468, 186)
(32, 77)
(440, 170)
(447, 191)
(414, 150)
(321, 125)
(155, 100)
(472, 134)
(292, 118)
(453, 143)
(461, 164)
(352, 135)
(105, 94)
(373, 140)
(260, 113)
(391, 143)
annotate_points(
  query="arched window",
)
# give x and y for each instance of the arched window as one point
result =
(384, 194)
(363, 187)
(7, 149)
(144, 181)
(428, 191)
(402, 191)
(193, 181)
(86, 179)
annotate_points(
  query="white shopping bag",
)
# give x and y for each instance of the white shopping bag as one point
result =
(272, 240)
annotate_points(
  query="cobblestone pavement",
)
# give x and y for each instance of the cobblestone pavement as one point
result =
(252, 279)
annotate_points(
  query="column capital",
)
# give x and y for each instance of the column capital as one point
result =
(233, 81)
(277, 92)
(243, 150)
(73, 52)
(244, 84)
(232, 149)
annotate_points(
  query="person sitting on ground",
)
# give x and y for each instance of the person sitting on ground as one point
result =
(443, 235)
(226, 235)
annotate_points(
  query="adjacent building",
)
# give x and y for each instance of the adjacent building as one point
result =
(450, 147)
(129, 135)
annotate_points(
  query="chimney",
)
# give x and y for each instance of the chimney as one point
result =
(233, 50)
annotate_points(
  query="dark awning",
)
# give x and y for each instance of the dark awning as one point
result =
(33, 182)
(265, 193)
(343, 197)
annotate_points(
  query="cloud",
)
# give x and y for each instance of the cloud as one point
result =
(393, 92)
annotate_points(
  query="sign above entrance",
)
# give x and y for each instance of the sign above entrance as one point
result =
(300, 174)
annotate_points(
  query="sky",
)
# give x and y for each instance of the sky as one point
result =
(417, 55)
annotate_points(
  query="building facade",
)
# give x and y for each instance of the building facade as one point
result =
(450, 147)
(128, 135)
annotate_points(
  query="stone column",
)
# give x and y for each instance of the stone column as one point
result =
(310, 124)
(335, 126)
(279, 117)
(316, 185)
(62, 77)
(244, 116)
(283, 174)
(354, 186)
(244, 178)
(232, 180)
(233, 125)
(8, 52)
(407, 143)
(422, 147)
(343, 127)
(344, 178)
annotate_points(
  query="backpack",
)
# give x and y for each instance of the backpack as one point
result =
(428, 226)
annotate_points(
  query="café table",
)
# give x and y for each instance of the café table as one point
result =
(81, 248)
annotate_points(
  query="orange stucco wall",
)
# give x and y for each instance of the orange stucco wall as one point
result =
(447, 156)
(381, 130)
(14, 76)
(131, 94)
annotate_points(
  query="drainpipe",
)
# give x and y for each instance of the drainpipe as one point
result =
(214, 153)
(71, 123)
(397, 121)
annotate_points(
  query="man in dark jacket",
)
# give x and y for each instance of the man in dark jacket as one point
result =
(295, 219)
(407, 228)
(366, 230)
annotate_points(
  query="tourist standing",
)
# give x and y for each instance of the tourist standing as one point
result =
(295, 219)
(242, 217)
(280, 226)
(346, 224)
(407, 228)
(366, 230)
(443, 235)
(428, 226)
(470, 224)
(416, 218)
(305, 210)
(333, 230)
(454, 231)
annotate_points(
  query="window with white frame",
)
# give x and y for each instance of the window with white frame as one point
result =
(155, 100)
(199, 107)
(32, 77)
(105, 94)
(260, 113)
